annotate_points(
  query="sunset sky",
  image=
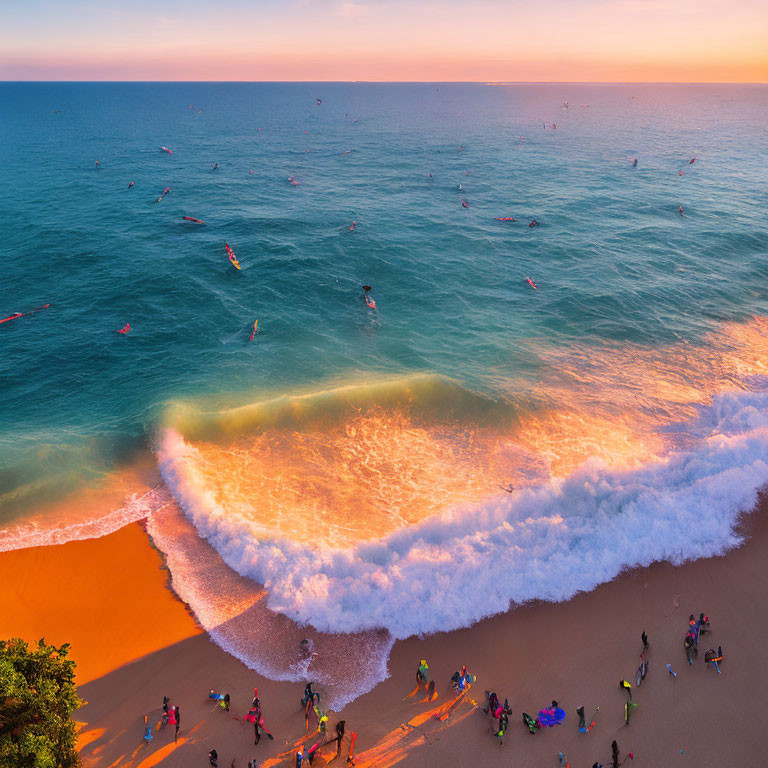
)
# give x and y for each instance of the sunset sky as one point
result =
(422, 40)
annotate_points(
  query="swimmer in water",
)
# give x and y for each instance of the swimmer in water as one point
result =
(681, 210)
(306, 648)
(215, 166)
(534, 223)
(634, 163)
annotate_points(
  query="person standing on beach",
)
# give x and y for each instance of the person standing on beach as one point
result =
(502, 725)
(340, 734)
(213, 758)
(256, 715)
(309, 694)
(178, 724)
(423, 682)
(627, 687)
(340, 728)
(172, 716)
(258, 721)
(164, 719)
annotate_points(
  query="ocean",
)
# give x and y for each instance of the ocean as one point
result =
(352, 465)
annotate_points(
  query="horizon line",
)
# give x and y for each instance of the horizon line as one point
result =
(407, 82)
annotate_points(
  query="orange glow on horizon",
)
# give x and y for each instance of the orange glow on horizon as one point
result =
(278, 68)
(392, 40)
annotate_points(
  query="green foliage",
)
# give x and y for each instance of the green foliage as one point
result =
(37, 698)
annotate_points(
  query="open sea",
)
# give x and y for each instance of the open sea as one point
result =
(344, 476)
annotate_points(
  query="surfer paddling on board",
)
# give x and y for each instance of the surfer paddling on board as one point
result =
(17, 315)
(368, 299)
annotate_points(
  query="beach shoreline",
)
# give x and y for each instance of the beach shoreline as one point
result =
(135, 642)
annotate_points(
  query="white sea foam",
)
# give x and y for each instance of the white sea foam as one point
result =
(233, 612)
(50, 531)
(548, 541)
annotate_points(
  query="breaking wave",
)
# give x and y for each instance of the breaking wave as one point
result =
(371, 512)
(369, 508)
(549, 540)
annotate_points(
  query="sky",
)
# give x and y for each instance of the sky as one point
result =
(386, 40)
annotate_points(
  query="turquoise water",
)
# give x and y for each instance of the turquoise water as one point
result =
(626, 397)
(612, 258)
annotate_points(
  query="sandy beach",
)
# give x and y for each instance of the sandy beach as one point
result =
(135, 642)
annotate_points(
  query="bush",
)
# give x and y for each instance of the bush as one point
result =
(37, 699)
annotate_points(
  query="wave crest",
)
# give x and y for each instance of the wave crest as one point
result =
(549, 540)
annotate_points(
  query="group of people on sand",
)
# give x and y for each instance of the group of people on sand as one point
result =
(170, 716)
(461, 681)
(696, 628)
(305, 754)
(548, 716)
(554, 715)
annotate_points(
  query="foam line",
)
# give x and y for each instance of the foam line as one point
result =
(233, 611)
(44, 535)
